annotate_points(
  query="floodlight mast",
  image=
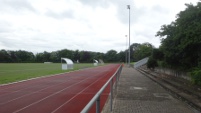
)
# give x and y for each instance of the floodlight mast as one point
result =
(128, 7)
(126, 58)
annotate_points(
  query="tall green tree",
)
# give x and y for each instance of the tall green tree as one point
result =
(181, 40)
(86, 57)
(121, 56)
(25, 56)
(54, 56)
(111, 56)
(133, 48)
(76, 56)
(16, 56)
(4, 56)
(143, 50)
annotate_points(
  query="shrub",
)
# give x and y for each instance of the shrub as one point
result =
(196, 76)
(152, 63)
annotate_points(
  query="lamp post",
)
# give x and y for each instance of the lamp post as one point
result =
(126, 58)
(128, 7)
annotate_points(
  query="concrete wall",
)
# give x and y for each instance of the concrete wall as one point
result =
(141, 62)
(173, 73)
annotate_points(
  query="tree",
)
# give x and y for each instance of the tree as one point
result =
(181, 40)
(142, 51)
(121, 56)
(21, 56)
(152, 63)
(86, 57)
(76, 56)
(39, 57)
(4, 56)
(157, 54)
(66, 53)
(138, 51)
(133, 48)
(13, 56)
(54, 56)
(46, 56)
(16, 56)
(111, 56)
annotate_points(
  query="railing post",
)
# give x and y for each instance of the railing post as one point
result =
(111, 94)
(116, 81)
(96, 98)
(98, 105)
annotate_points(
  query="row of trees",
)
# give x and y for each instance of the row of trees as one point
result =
(138, 51)
(181, 42)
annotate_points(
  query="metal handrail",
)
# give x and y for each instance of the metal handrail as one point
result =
(96, 98)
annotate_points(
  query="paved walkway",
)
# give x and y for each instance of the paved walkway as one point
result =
(138, 94)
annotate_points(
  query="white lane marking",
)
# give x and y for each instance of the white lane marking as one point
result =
(73, 77)
(77, 94)
(52, 94)
(15, 91)
(31, 93)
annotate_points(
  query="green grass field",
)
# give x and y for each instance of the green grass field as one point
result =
(12, 72)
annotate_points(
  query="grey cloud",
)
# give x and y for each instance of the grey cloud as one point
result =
(139, 13)
(122, 11)
(62, 15)
(159, 9)
(13, 42)
(5, 27)
(9, 42)
(95, 3)
(144, 34)
(135, 14)
(15, 5)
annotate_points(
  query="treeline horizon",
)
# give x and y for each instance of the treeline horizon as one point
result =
(23, 56)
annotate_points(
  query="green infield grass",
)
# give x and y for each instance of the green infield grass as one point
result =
(12, 72)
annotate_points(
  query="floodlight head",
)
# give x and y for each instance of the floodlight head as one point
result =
(128, 6)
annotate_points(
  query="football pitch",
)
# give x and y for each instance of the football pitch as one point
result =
(13, 72)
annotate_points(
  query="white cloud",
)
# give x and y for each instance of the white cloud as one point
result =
(101, 25)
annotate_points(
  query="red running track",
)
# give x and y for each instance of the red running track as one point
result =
(64, 93)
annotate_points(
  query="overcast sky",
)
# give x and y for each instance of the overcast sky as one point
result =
(91, 25)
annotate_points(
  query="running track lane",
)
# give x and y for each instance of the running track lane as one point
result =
(64, 93)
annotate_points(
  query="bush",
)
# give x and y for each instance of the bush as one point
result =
(196, 76)
(152, 63)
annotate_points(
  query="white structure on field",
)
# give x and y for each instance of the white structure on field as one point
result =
(95, 62)
(68, 64)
